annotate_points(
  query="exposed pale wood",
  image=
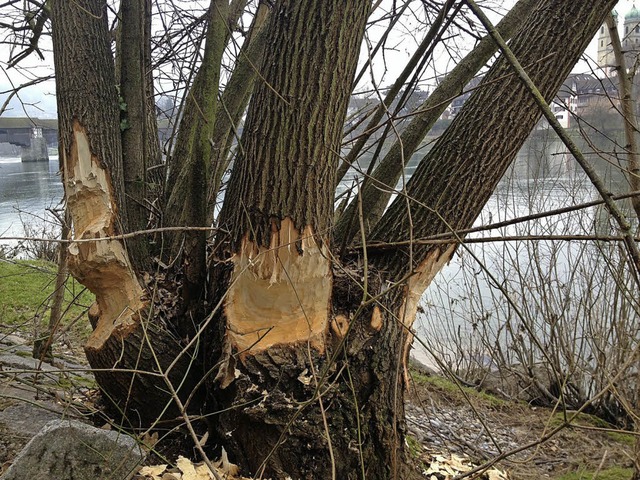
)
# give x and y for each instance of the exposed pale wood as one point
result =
(279, 295)
(340, 326)
(103, 267)
(416, 286)
(376, 319)
(421, 279)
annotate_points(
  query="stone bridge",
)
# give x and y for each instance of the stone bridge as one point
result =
(18, 130)
(35, 135)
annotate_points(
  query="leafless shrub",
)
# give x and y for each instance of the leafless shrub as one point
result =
(37, 230)
(548, 321)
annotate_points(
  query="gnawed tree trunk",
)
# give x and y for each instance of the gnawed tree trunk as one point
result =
(307, 350)
(456, 178)
(91, 162)
(290, 369)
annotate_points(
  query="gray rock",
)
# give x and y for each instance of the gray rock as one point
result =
(28, 418)
(70, 450)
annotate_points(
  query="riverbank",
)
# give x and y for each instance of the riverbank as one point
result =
(448, 429)
(447, 425)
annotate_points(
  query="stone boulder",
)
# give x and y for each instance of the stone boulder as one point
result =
(70, 450)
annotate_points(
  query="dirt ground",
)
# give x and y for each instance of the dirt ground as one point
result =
(441, 419)
(528, 439)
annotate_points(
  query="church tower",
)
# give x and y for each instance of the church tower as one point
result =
(606, 59)
(631, 38)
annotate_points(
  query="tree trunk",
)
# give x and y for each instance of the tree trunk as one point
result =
(189, 169)
(274, 270)
(137, 119)
(91, 162)
(303, 352)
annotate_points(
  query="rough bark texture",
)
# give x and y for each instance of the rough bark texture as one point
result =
(189, 166)
(140, 146)
(308, 414)
(91, 162)
(386, 175)
(291, 147)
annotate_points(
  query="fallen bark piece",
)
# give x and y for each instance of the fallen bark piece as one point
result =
(72, 450)
(447, 467)
(187, 470)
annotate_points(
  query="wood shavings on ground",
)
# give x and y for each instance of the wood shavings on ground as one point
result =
(441, 467)
(185, 469)
(446, 467)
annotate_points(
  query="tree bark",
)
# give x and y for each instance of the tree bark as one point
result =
(91, 163)
(455, 179)
(376, 190)
(138, 123)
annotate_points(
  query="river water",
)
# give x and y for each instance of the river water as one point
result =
(466, 304)
(27, 190)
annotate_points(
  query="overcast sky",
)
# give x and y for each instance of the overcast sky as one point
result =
(39, 101)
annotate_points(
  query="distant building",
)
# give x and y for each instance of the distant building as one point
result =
(630, 39)
(580, 93)
(606, 60)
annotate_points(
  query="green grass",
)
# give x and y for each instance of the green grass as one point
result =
(592, 421)
(624, 438)
(614, 473)
(25, 295)
(414, 446)
(451, 388)
(580, 419)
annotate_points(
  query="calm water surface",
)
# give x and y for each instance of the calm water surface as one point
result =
(26, 191)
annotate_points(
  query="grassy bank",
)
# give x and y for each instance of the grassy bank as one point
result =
(26, 291)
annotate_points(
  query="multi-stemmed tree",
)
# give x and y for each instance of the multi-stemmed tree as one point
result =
(287, 328)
